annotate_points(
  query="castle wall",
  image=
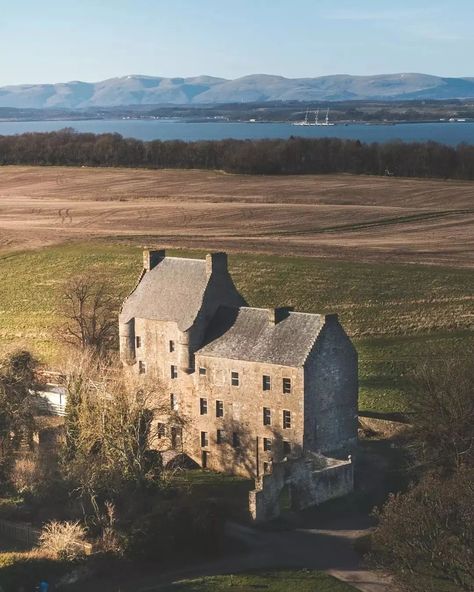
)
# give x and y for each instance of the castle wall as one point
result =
(243, 413)
(331, 392)
(297, 485)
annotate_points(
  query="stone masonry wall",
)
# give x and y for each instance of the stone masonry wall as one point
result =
(299, 485)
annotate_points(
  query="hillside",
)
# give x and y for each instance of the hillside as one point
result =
(150, 90)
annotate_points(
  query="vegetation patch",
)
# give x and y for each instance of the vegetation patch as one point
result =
(271, 581)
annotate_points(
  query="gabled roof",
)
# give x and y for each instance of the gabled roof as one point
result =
(171, 291)
(248, 334)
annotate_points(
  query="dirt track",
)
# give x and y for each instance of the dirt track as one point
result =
(340, 216)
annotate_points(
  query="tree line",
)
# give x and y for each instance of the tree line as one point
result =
(277, 157)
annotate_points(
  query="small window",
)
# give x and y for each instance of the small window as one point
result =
(171, 346)
(235, 440)
(174, 371)
(202, 371)
(203, 406)
(220, 436)
(266, 383)
(286, 419)
(205, 459)
(286, 448)
(267, 416)
(267, 444)
(267, 468)
(219, 408)
(173, 402)
(141, 367)
(287, 386)
(176, 438)
(204, 439)
(138, 342)
(161, 430)
(234, 378)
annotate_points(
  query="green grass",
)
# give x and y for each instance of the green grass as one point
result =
(271, 581)
(396, 314)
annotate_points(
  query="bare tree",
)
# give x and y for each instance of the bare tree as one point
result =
(89, 308)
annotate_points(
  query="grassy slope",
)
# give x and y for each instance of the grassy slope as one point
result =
(395, 313)
(282, 581)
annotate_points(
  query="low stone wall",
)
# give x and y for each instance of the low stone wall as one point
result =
(297, 484)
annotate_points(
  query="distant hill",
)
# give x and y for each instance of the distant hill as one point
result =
(149, 90)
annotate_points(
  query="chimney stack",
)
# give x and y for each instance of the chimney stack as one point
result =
(275, 315)
(216, 263)
(152, 258)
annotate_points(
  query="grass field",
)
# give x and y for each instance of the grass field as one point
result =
(396, 314)
(272, 581)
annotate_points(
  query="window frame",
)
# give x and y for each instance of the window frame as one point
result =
(267, 444)
(266, 382)
(286, 419)
(174, 371)
(234, 378)
(204, 439)
(171, 346)
(203, 408)
(267, 416)
(141, 367)
(219, 408)
(286, 385)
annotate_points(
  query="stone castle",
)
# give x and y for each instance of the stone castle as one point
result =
(270, 394)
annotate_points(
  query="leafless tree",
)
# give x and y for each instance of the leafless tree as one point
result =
(89, 308)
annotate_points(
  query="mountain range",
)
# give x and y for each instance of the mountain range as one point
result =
(202, 90)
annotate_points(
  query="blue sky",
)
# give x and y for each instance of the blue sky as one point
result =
(62, 40)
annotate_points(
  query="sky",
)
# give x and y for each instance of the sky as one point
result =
(46, 41)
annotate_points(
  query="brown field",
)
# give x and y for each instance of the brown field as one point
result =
(338, 216)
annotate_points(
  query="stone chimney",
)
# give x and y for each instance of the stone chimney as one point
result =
(216, 263)
(275, 315)
(152, 258)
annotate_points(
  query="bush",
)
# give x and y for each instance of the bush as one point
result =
(426, 536)
(65, 540)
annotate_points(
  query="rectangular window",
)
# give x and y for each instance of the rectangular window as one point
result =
(219, 408)
(204, 439)
(174, 371)
(286, 419)
(235, 440)
(138, 341)
(176, 438)
(202, 371)
(286, 448)
(267, 416)
(205, 459)
(287, 386)
(267, 444)
(171, 346)
(161, 430)
(141, 367)
(267, 468)
(266, 383)
(173, 402)
(234, 378)
(220, 436)
(203, 406)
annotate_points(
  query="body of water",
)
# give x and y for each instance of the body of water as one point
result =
(447, 133)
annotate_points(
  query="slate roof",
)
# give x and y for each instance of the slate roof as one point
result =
(171, 291)
(246, 334)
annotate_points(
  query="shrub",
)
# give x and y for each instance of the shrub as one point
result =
(65, 540)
